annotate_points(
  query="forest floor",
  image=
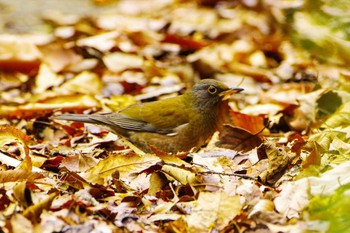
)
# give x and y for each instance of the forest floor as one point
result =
(279, 161)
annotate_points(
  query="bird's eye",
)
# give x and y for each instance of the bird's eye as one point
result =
(212, 90)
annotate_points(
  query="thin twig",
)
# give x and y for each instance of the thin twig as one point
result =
(230, 174)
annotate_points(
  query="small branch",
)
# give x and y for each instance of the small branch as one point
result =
(230, 174)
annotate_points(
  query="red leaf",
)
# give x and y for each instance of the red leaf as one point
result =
(185, 42)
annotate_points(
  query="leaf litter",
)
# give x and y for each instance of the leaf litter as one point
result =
(278, 163)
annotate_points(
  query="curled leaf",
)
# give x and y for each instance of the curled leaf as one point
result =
(9, 134)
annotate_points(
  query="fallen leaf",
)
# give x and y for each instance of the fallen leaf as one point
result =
(46, 79)
(19, 54)
(118, 61)
(278, 160)
(85, 82)
(238, 139)
(186, 43)
(19, 175)
(212, 210)
(57, 57)
(9, 134)
(125, 164)
(180, 174)
(252, 124)
(157, 182)
(72, 102)
(21, 224)
(77, 162)
(22, 194)
(34, 211)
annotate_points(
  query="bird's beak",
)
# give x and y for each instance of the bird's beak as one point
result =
(226, 94)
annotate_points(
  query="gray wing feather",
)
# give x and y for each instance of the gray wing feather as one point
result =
(128, 123)
(117, 120)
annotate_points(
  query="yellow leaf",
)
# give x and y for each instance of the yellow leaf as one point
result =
(338, 120)
(22, 194)
(19, 175)
(117, 103)
(125, 164)
(213, 210)
(119, 61)
(173, 159)
(9, 134)
(20, 224)
(33, 212)
(86, 82)
(157, 182)
(180, 174)
(34, 110)
(46, 78)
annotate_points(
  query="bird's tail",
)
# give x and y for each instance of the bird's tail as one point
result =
(75, 117)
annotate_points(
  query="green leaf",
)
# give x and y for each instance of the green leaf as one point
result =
(333, 209)
(328, 103)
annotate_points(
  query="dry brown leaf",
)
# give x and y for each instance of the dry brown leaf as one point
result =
(306, 113)
(178, 226)
(293, 198)
(103, 42)
(263, 109)
(77, 163)
(172, 159)
(278, 160)
(264, 210)
(238, 139)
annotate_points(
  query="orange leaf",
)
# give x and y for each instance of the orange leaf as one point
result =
(74, 102)
(252, 124)
(314, 157)
(19, 175)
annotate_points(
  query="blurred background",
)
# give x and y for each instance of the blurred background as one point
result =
(24, 16)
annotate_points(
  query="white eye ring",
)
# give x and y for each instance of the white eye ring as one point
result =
(212, 90)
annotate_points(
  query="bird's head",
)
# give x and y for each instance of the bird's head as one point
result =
(207, 93)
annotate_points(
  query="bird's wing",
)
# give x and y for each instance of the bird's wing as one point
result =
(161, 115)
(156, 117)
(128, 123)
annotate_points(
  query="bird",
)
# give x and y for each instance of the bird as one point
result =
(178, 124)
